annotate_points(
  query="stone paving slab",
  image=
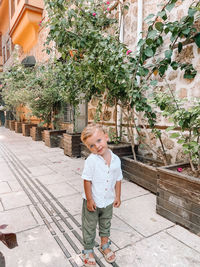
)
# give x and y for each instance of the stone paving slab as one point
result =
(15, 186)
(72, 203)
(122, 234)
(14, 200)
(159, 250)
(4, 188)
(140, 213)
(130, 191)
(61, 189)
(182, 235)
(37, 248)
(42, 170)
(52, 178)
(18, 219)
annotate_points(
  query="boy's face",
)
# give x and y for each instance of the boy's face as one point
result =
(97, 142)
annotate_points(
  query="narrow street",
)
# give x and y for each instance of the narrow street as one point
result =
(40, 201)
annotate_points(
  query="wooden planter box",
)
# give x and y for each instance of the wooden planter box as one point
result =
(141, 173)
(178, 197)
(72, 144)
(26, 128)
(12, 125)
(121, 149)
(36, 132)
(18, 127)
(7, 122)
(52, 138)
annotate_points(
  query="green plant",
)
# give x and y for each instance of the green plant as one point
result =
(14, 82)
(104, 65)
(155, 56)
(184, 116)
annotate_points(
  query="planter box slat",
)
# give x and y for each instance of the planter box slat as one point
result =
(178, 200)
(179, 220)
(12, 125)
(138, 173)
(187, 184)
(18, 127)
(140, 181)
(179, 211)
(149, 175)
(180, 189)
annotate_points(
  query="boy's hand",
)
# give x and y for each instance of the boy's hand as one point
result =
(117, 202)
(91, 206)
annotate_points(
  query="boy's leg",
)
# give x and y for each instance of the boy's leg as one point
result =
(105, 216)
(89, 223)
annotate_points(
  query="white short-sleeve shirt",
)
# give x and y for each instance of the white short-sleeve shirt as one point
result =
(103, 178)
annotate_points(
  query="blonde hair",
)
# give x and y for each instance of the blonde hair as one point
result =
(89, 130)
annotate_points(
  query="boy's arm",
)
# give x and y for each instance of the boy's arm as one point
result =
(117, 201)
(91, 206)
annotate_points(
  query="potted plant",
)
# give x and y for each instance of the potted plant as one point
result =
(14, 93)
(45, 102)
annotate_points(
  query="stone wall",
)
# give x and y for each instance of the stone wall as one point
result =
(184, 88)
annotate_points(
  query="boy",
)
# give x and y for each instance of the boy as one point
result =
(102, 177)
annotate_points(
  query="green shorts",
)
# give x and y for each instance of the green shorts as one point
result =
(102, 216)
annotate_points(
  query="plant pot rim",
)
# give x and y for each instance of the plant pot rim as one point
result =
(166, 169)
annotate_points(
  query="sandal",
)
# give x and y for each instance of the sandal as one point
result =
(88, 261)
(109, 254)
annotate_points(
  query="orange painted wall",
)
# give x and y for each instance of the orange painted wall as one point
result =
(4, 16)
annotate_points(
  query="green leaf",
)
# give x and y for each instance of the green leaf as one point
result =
(149, 41)
(170, 128)
(180, 46)
(159, 26)
(141, 42)
(174, 65)
(154, 82)
(148, 52)
(197, 39)
(152, 34)
(168, 53)
(180, 141)
(191, 12)
(186, 31)
(175, 135)
(150, 16)
(170, 7)
(162, 14)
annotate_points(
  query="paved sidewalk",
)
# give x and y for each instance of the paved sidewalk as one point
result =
(40, 200)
